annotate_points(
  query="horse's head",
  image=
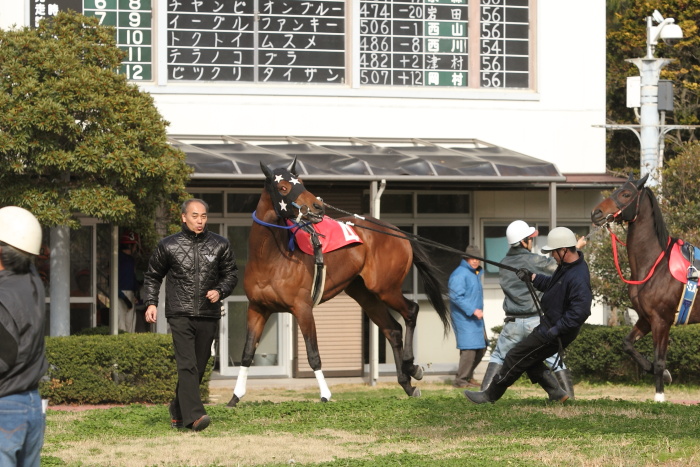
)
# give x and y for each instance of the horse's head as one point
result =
(288, 195)
(621, 205)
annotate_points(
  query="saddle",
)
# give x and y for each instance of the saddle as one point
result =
(331, 234)
(679, 261)
(683, 263)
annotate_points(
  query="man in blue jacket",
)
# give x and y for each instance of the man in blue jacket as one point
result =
(467, 310)
(566, 304)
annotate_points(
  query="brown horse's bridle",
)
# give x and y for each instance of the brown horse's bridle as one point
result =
(621, 216)
(623, 209)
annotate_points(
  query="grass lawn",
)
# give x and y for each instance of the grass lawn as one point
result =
(380, 426)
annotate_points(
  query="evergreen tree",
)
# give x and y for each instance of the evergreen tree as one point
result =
(75, 137)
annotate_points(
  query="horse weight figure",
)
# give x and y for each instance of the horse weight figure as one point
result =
(280, 280)
(654, 292)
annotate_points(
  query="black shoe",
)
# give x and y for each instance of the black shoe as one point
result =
(201, 423)
(479, 397)
(175, 420)
(551, 386)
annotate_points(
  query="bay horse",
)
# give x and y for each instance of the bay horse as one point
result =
(654, 292)
(278, 279)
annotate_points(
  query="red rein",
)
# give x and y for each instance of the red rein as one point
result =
(615, 241)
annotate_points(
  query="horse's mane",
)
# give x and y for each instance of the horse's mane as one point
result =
(659, 223)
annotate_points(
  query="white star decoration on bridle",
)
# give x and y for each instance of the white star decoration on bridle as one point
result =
(278, 178)
(294, 181)
(283, 206)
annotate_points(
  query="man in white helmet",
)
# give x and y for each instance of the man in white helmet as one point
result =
(521, 312)
(22, 358)
(566, 304)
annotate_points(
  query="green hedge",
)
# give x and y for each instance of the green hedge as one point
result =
(122, 369)
(596, 355)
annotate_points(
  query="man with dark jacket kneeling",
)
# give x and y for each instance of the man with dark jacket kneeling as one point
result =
(566, 304)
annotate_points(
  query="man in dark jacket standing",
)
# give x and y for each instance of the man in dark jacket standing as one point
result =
(22, 358)
(566, 304)
(201, 271)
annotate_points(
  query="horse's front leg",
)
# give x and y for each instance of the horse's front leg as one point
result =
(662, 376)
(307, 326)
(255, 327)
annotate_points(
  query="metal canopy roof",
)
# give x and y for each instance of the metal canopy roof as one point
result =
(356, 159)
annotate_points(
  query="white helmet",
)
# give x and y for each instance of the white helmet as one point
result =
(20, 229)
(519, 230)
(559, 237)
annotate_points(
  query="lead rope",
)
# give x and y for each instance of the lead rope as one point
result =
(406, 235)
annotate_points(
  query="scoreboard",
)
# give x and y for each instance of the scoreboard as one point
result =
(401, 42)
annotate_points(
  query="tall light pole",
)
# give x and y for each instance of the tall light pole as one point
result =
(643, 92)
(650, 131)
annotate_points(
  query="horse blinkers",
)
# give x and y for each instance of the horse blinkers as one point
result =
(285, 187)
(627, 208)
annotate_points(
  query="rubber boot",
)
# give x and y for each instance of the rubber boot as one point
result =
(491, 371)
(491, 394)
(549, 383)
(565, 382)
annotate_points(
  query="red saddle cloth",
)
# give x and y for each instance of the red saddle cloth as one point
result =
(332, 235)
(677, 263)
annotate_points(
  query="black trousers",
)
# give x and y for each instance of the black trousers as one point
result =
(528, 356)
(192, 340)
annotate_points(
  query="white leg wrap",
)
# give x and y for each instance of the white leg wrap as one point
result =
(239, 390)
(659, 397)
(325, 392)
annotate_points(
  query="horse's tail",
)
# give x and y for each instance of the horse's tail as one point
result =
(434, 289)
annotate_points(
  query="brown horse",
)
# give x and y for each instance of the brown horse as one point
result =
(372, 272)
(654, 292)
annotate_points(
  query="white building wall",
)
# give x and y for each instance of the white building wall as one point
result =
(553, 122)
(13, 13)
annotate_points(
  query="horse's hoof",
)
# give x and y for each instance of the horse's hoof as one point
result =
(417, 372)
(667, 377)
(416, 392)
(323, 399)
(233, 402)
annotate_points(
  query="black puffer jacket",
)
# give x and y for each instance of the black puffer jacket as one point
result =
(194, 264)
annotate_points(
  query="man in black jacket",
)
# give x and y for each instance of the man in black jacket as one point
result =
(22, 358)
(566, 304)
(201, 271)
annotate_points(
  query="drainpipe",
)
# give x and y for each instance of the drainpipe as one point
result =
(114, 283)
(374, 211)
(552, 205)
(59, 287)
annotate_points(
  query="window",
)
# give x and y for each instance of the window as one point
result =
(496, 246)
(424, 214)
(214, 200)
